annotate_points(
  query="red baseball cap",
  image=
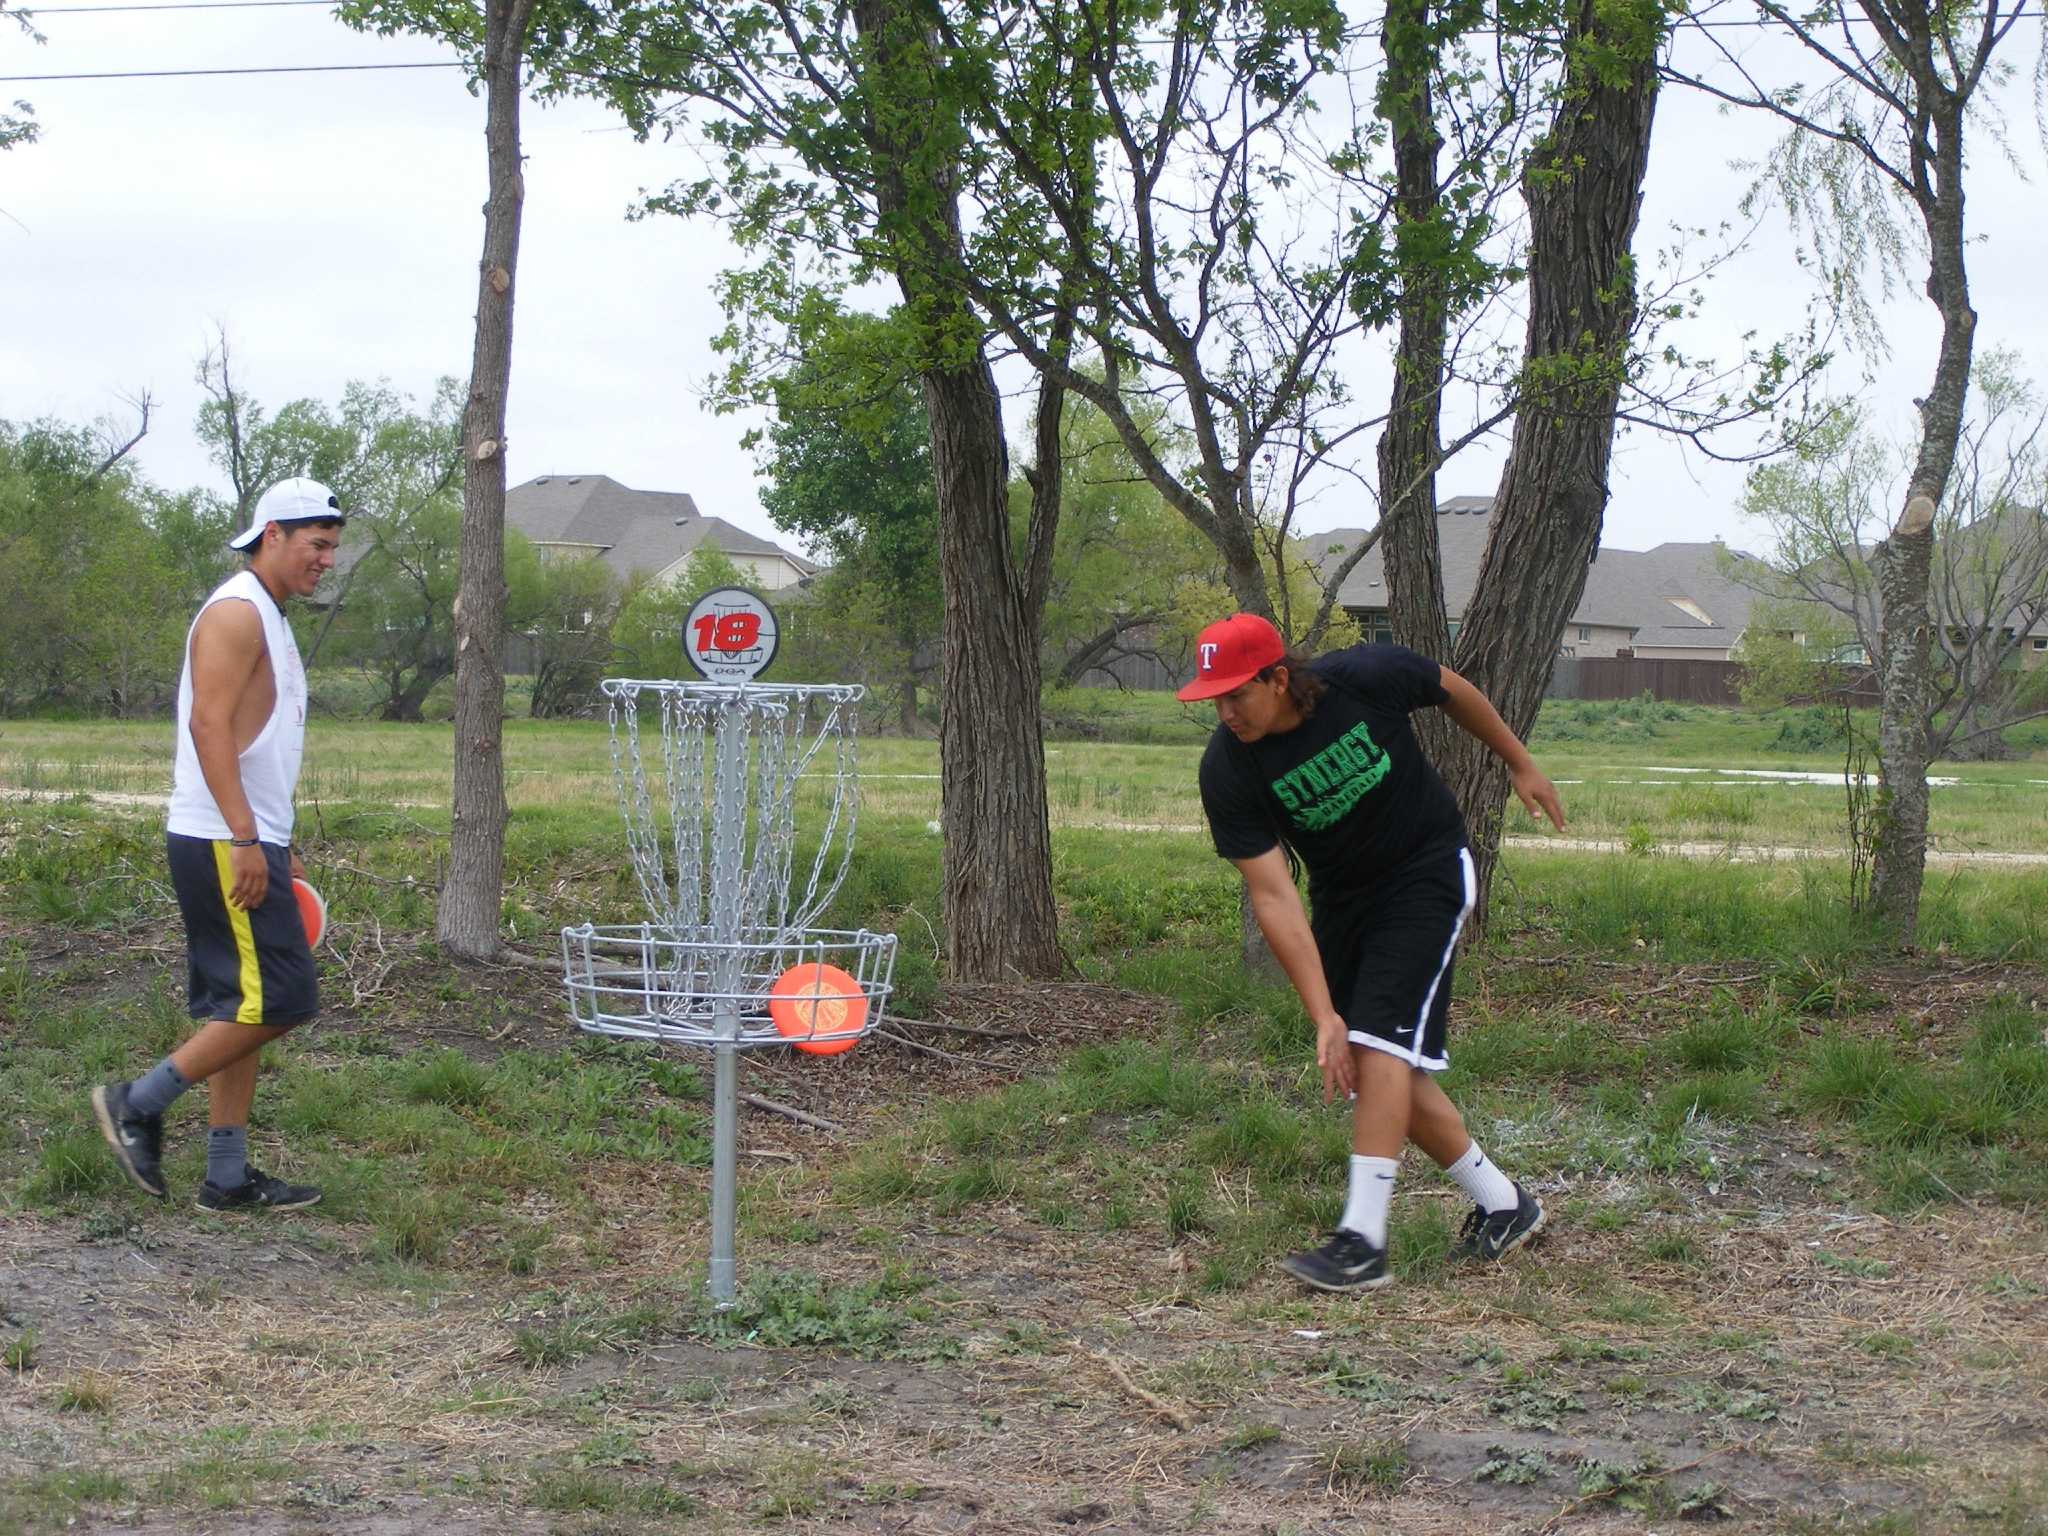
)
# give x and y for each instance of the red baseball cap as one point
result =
(1230, 653)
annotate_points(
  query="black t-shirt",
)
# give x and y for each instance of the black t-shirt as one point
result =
(1348, 788)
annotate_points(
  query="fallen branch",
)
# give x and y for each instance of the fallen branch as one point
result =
(1178, 1418)
(530, 962)
(933, 1050)
(949, 1027)
(1704, 981)
(755, 1101)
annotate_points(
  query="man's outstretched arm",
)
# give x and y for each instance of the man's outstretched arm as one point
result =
(1477, 717)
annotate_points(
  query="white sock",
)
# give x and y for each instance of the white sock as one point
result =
(1489, 1188)
(1372, 1186)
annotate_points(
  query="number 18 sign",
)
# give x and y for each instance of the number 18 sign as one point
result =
(730, 635)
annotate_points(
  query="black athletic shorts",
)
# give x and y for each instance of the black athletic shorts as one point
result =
(1388, 959)
(251, 967)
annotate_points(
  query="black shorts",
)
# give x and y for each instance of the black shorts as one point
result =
(250, 967)
(1388, 958)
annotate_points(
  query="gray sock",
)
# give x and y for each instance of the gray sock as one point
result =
(152, 1093)
(227, 1156)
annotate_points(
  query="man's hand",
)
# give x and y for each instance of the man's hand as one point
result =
(1333, 1056)
(298, 865)
(1534, 789)
(252, 876)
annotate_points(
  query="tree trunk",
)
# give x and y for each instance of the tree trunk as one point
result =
(906, 705)
(1411, 445)
(1899, 851)
(1905, 560)
(1583, 186)
(996, 864)
(469, 915)
(997, 858)
(408, 703)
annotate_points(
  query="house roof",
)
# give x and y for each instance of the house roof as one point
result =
(1674, 595)
(1461, 540)
(632, 530)
(1677, 595)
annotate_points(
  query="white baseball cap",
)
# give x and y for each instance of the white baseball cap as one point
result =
(297, 500)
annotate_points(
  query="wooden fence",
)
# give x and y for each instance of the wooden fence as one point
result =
(1629, 677)
(1673, 681)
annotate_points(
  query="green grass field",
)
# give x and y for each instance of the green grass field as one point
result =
(1794, 1280)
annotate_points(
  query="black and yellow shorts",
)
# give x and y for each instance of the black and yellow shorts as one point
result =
(250, 967)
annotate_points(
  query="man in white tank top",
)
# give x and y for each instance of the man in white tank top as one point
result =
(240, 735)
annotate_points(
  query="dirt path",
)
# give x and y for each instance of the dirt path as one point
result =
(1740, 853)
(1064, 1385)
(1764, 853)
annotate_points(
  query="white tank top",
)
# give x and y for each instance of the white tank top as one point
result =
(270, 765)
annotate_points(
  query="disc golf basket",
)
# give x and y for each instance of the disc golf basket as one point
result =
(712, 827)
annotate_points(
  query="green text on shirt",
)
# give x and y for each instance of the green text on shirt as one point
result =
(1322, 791)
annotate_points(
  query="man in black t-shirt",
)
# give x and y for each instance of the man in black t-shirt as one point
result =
(1318, 757)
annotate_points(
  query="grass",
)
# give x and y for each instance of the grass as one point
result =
(1617, 765)
(1374, 1468)
(582, 1490)
(20, 1352)
(92, 1392)
(564, 1327)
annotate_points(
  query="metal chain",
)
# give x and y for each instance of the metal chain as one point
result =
(723, 871)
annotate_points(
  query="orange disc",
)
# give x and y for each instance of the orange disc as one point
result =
(312, 912)
(812, 1000)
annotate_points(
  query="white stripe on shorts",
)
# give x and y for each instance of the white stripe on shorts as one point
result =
(1450, 948)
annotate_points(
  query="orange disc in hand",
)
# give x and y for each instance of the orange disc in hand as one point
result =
(312, 911)
(813, 1003)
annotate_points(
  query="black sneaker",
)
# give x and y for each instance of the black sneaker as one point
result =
(257, 1192)
(1494, 1235)
(1347, 1262)
(137, 1140)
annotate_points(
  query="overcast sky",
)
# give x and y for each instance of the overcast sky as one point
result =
(332, 222)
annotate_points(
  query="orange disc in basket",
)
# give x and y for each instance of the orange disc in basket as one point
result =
(312, 912)
(811, 1003)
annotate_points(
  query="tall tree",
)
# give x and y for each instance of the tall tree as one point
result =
(493, 38)
(1442, 266)
(993, 802)
(1825, 507)
(470, 915)
(1411, 446)
(1583, 186)
(1883, 130)
(871, 100)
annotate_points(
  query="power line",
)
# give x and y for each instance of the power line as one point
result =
(1732, 23)
(277, 69)
(172, 5)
